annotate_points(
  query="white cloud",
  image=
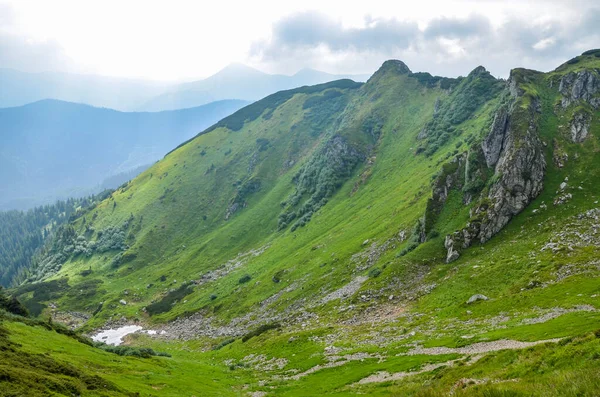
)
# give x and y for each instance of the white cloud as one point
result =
(181, 39)
(544, 43)
(445, 45)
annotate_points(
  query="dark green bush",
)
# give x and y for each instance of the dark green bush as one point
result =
(411, 247)
(320, 100)
(277, 276)
(433, 234)
(244, 279)
(469, 94)
(320, 177)
(263, 144)
(474, 186)
(260, 330)
(12, 305)
(431, 81)
(141, 352)
(595, 52)
(115, 262)
(167, 302)
(42, 292)
(224, 343)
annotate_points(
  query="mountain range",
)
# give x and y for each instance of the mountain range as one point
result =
(240, 82)
(233, 82)
(53, 149)
(413, 235)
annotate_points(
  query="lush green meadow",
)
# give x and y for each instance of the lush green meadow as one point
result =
(284, 245)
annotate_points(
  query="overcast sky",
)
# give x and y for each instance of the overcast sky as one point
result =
(185, 40)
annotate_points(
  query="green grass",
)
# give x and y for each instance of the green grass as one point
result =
(185, 224)
(566, 368)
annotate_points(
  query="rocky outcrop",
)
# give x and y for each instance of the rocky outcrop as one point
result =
(244, 190)
(452, 254)
(520, 168)
(477, 297)
(580, 86)
(451, 177)
(514, 147)
(492, 145)
(580, 126)
(423, 133)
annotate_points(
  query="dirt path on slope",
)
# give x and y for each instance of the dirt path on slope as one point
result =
(478, 348)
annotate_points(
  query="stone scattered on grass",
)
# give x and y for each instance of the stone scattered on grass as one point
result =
(477, 297)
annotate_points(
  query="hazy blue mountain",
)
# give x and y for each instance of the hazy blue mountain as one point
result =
(53, 149)
(241, 82)
(20, 88)
(233, 82)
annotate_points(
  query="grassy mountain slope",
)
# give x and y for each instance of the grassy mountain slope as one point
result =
(53, 149)
(324, 214)
(23, 234)
(37, 361)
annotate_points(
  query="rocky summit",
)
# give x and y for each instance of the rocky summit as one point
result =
(414, 235)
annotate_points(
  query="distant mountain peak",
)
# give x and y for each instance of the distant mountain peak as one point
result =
(479, 70)
(237, 68)
(392, 66)
(309, 72)
(395, 66)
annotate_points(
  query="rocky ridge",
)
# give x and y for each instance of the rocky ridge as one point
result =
(513, 147)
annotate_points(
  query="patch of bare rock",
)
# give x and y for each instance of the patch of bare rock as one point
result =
(478, 348)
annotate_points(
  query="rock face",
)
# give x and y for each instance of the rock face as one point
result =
(452, 253)
(492, 145)
(423, 133)
(580, 86)
(521, 168)
(513, 146)
(580, 126)
(451, 177)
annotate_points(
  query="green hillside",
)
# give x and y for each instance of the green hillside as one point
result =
(326, 240)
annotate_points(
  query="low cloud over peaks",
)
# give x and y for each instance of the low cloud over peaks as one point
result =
(453, 28)
(446, 45)
(310, 30)
(21, 53)
(24, 53)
